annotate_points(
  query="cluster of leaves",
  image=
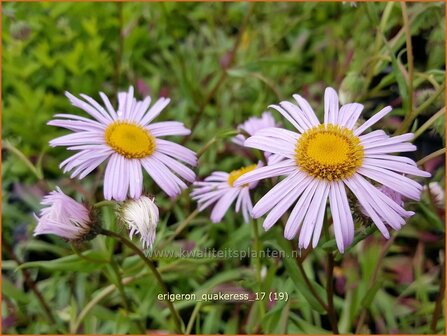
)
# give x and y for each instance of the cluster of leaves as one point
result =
(223, 62)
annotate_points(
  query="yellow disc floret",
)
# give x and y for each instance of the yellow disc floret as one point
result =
(235, 174)
(130, 140)
(329, 152)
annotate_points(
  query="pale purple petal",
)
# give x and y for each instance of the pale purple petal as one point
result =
(272, 145)
(363, 198)
(400, 183)
(349, 114)
(270, 199)
(307, 109)
(222, 205)
(314, 216)
(178, 151)
(79, 138)
(282, 168)
(330, 106)
(136, 178)
(296, 114)
(167, 181)
(98, 107)
(87, 108)
(379, 115)
(77, 125)
(176, 166)
(109, 106)
(298, 213)
(285, 203)
(395, 166)
(154, 111)
(292, 120)
(168, 128)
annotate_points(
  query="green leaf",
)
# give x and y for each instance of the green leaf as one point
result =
(12, 292)
(371, 293)
(93, 261)
(298, 279)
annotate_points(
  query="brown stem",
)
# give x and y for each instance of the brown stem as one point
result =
(309, 285)
(330, 292)
(30, 283)
(153, 269)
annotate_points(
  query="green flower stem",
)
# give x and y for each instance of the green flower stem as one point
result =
(181, 227)
(119, 283)
(429, 123)
(424, 160)
(102, 295)
(153, 269)
(330, 292)
(409, 118)
(10, 147)
(309, 285)
(194, 314)
(214, 140)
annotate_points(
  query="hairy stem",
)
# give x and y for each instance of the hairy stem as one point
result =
(429, 123)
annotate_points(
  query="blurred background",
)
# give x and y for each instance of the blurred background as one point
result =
(220, 63)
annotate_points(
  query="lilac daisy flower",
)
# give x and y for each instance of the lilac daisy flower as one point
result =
(129, 141)
(64, 217)
(253, 125)
(219, 189)
(321, 160)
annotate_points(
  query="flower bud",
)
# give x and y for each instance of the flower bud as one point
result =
(65, 218)
(141, 216)
(437, 193)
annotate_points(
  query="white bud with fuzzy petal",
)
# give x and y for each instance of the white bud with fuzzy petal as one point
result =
(141, 215)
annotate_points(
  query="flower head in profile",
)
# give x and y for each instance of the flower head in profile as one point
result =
(64, 217)
(253, 125)
(322, 161)
(141, 216)
(128, 140)
(219, 189)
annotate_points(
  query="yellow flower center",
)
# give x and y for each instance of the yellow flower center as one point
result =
(235, 174)
(329, 152)
(130, 140)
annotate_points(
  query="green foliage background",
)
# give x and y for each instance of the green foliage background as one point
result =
(224, 62)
